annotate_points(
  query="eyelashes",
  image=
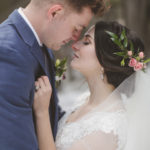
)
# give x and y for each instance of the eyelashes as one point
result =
(86, 43)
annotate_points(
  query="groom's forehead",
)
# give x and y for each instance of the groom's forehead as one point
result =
(82, 26)
(97, 7)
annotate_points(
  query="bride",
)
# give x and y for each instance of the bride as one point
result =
(103, 118)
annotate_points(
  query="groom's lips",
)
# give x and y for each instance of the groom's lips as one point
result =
(66, 41)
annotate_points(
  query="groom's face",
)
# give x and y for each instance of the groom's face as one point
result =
(66, 27)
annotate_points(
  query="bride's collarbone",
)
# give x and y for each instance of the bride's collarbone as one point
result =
(85, 109)
(82, 111)
(79, 113)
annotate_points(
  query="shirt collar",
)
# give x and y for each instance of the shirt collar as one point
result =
(30, 25)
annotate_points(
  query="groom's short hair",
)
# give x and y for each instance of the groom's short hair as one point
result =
(97, 7)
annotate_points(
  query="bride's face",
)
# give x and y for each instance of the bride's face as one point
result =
(84, 58)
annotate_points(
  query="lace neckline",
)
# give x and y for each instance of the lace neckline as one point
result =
(95, 109)
(74, 111)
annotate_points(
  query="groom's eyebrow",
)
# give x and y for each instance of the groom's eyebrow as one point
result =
(82, 26)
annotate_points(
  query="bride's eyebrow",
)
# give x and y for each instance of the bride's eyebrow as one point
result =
(88, 36)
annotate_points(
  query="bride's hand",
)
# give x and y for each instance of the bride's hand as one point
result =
(42, 96)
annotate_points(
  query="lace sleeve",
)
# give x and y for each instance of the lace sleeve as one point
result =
(96, 141)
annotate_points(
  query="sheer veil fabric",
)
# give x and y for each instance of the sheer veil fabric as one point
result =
(121, 122)
(138, 111)
(135, 94)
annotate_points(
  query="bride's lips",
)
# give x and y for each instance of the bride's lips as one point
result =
(75, 55)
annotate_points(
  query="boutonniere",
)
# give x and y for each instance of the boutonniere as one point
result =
(135, 57)
(60, 69)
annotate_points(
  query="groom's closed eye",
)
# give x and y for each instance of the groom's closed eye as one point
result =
(76, 34)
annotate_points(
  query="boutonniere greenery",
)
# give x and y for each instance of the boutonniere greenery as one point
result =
(136, 58)
(60, 69)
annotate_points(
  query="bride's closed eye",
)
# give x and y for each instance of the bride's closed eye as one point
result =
(86, 43)
(87, 40)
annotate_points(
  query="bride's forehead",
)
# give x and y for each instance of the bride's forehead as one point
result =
(90, 30)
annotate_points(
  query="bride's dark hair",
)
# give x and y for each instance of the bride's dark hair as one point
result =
(105, 49)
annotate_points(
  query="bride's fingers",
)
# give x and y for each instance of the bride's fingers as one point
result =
(41, 84)
(46, 81)
(48, 87)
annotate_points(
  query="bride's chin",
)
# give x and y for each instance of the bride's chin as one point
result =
(74, 66)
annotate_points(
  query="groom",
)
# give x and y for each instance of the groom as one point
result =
(24, 58)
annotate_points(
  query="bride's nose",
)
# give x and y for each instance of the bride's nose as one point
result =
(75, 46)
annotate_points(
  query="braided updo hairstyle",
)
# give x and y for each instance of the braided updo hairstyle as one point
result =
(105, 49)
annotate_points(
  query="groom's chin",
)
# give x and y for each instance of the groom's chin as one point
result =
(56, 48)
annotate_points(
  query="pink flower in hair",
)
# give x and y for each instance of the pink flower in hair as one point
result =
(141, 55)
(138, 66)
(132, 62)
(136, 58)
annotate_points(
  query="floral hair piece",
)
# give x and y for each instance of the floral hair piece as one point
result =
(136, 60)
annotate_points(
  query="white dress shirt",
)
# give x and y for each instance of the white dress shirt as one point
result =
(30, 25)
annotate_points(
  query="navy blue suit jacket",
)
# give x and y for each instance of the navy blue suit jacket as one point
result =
(21, 63)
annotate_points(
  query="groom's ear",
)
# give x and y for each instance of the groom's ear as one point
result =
(54, 11)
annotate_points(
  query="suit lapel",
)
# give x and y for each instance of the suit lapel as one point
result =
(27, 35)
(39, 55)
(22, 28)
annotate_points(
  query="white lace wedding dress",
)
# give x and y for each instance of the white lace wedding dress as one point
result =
(104, 128)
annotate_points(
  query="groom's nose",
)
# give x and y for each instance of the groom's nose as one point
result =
(76, 36)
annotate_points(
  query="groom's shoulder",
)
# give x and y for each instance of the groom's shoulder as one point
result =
(9, 36)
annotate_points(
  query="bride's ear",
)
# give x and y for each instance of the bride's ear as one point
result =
(55, 11)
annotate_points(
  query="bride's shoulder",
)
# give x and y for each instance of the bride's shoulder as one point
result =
(114, 120)
(109, 120)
